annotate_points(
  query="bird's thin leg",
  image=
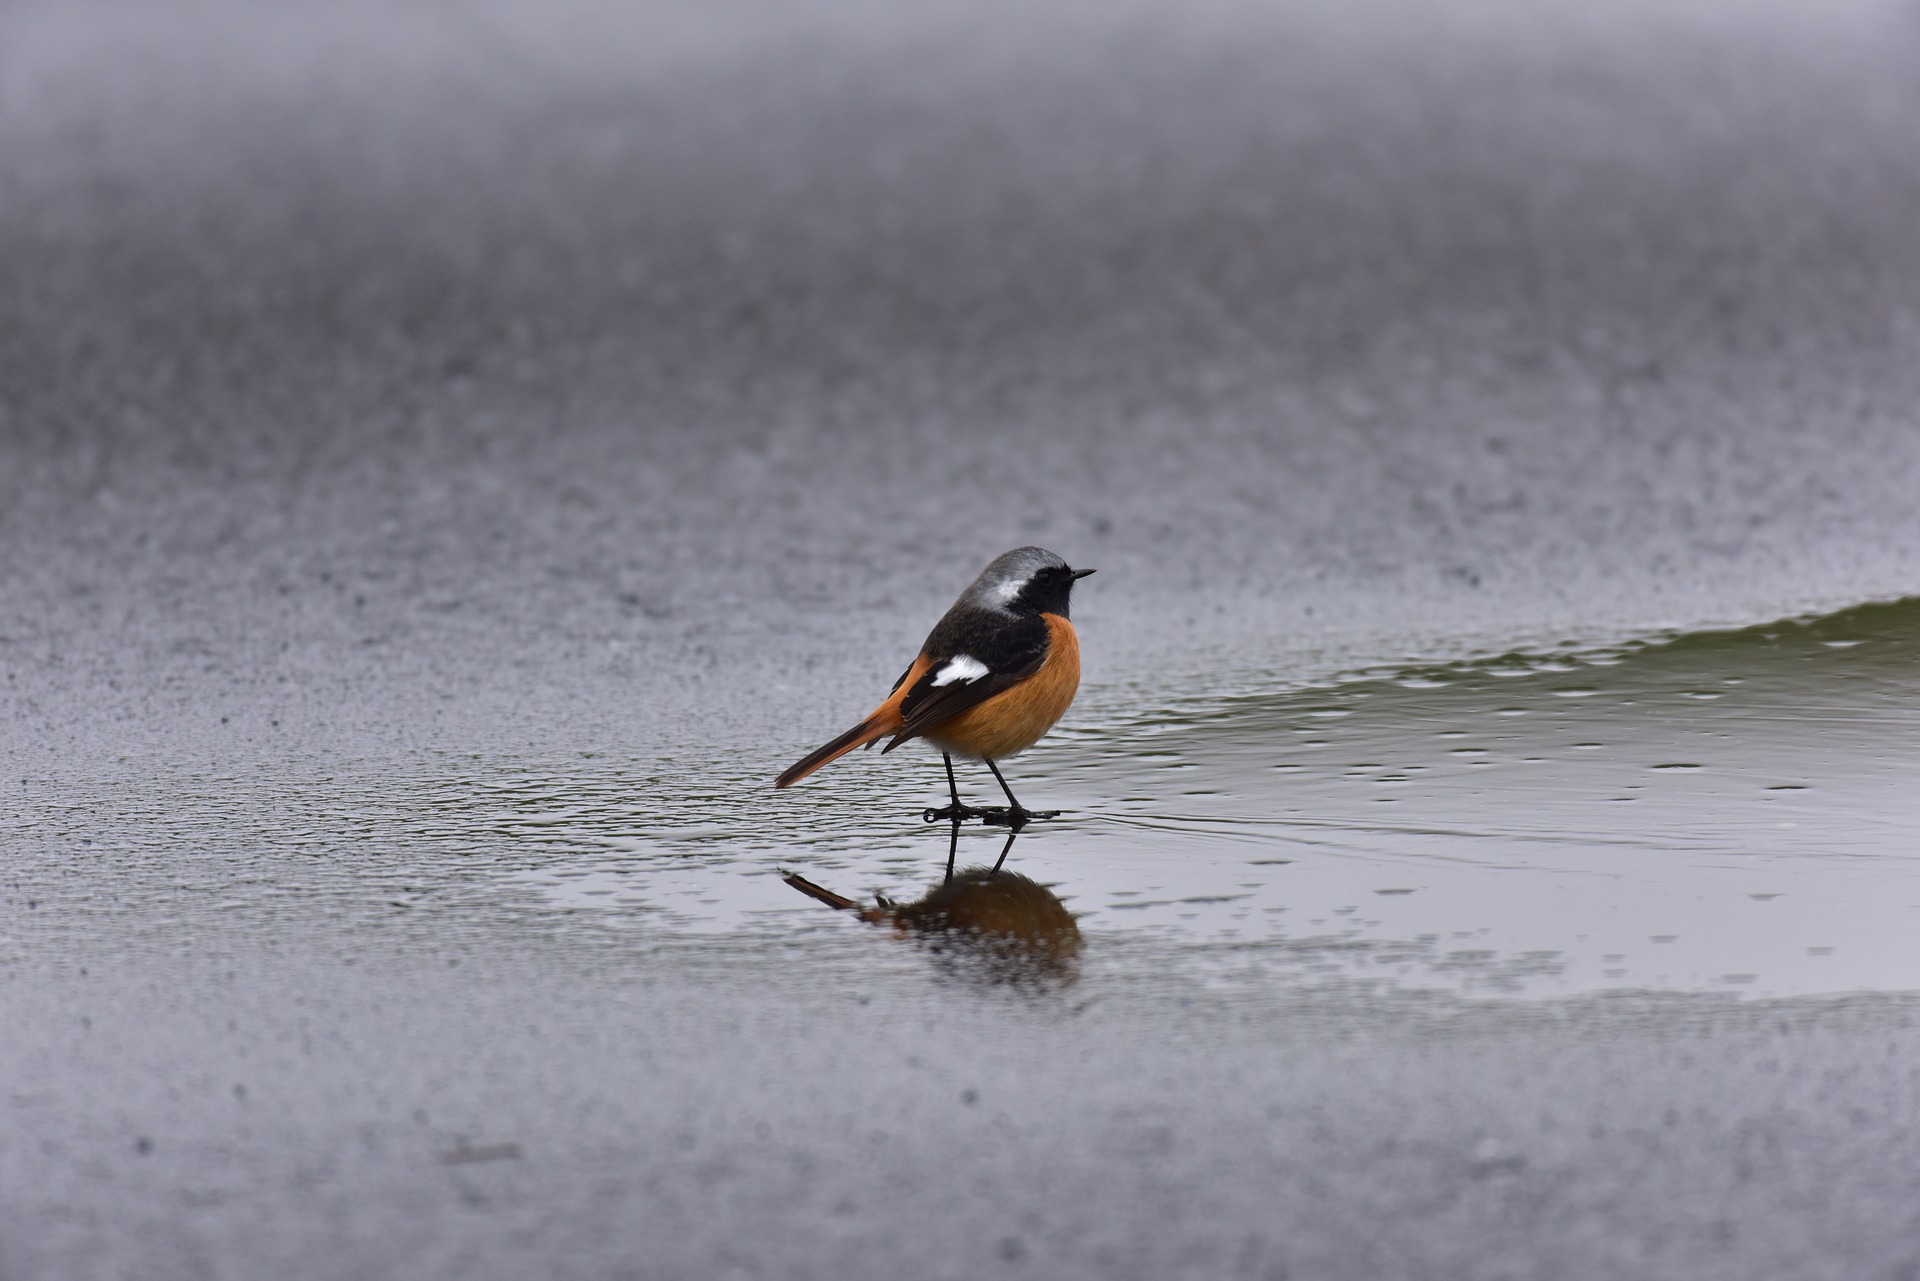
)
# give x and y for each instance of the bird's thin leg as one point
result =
(1004, 850)
(955, 811)
(953, 848)
(1017, 815)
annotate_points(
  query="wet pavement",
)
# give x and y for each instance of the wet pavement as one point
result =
(453, 457)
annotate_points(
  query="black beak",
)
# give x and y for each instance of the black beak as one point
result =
(1081, 573)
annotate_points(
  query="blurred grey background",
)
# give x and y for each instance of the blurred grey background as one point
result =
(505, 331)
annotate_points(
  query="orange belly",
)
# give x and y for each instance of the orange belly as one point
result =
(1013, 721)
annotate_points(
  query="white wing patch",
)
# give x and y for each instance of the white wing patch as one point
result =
(964, 668)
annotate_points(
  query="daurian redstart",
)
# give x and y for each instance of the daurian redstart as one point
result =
(993, 676)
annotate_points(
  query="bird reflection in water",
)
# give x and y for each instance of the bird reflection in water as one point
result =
(981, 923)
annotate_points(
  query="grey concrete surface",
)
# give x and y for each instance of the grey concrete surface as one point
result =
(357, 1114)
(428, 426)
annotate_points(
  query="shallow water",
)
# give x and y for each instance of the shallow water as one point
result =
(1712, 812)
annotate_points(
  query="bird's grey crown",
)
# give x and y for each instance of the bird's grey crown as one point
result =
(1000, 582)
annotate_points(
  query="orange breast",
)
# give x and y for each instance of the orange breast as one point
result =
(1015, 720)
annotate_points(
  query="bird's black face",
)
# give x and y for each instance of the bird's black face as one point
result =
(1047, 591)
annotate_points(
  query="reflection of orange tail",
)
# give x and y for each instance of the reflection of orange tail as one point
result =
(875, 726)
(826, 896)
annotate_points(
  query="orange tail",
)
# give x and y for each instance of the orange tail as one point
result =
(878, 725)
(884, 721)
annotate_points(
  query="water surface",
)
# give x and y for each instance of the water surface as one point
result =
(1711, 812)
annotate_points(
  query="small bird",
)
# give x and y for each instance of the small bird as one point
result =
(993, 676)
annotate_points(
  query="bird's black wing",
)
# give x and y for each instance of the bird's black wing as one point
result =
(1007, 650)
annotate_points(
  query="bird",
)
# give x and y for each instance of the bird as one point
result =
(995, 674)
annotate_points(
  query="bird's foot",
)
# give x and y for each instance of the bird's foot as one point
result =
(1012, 816)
